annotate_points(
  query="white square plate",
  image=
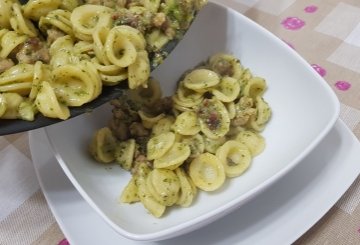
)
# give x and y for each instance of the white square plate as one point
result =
(276, 216)
(304, 110)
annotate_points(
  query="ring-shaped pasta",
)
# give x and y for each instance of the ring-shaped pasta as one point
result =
(5, 13)
(149, 202)
(20, 24)
(86, 18)
(110, 70)
(99, 38)
(163, 125)
(231, 108)
(139, 71)
(73, 84)
(156, 39)
(19, 73)
(211, 145)
(3, 31)
(146, 96)
(27, 110)
(34, 9)
(133, 34)
(214, 118)
(245, 77)
(103, 145)
(164, 186)
(158, 145)
(61, 51)
(65, 43)
(201, 80)
(2, 105)
(186, 97)
(124, 153)
(22, 88)
(174, 157)
(185, 94)
(196, 144)
(130, 192)
(91, 69)
(235, 156)
(148, 120)
(262, 116)
(48, 104)
(254, 141)
(228, 89)
(59, 19)
(81, 47)
(119, 50)
(187, 123)
(9, 41)
(207, 172)
(187, 190)
(254, 88)
(181, 109)
(42, 72)
(10, 103)
(112, 80)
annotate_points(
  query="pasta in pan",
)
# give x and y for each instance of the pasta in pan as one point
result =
(208, 131)
(59, 54)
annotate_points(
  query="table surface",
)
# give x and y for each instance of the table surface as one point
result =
(325, 32)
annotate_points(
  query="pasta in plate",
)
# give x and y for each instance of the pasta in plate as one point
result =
(59, 54)
(208, 131)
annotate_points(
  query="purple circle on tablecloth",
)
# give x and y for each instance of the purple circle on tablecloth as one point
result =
(319, 69)
(342, 85)
(64, 242)
(293, 23)
(310, 9)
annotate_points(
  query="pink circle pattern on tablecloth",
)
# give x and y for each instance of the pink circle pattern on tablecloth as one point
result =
(64, 242)
(311, 9)
(342, 85)
(319, 69)
(293, 23)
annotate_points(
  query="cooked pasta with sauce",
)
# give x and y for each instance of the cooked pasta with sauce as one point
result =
(207, 131)
(58, 54)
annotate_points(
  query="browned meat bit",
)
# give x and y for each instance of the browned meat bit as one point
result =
(244, 111)
(223, 67)
(119, 129)
(138, 130)
(140, 21)
(5, 64)
(208, 114)
(163, 105)
(53, 34)
(123, 118)
(33, 50)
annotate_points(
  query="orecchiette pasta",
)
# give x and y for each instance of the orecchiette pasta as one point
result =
(235, 156)
(82, 46)
(209, 130)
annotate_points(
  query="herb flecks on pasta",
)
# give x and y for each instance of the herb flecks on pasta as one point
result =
(58, 54)
(208, 131)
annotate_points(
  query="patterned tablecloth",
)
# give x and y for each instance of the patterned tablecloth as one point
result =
(325, 32)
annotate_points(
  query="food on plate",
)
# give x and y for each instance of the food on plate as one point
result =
(207, 131)
(58, 54)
